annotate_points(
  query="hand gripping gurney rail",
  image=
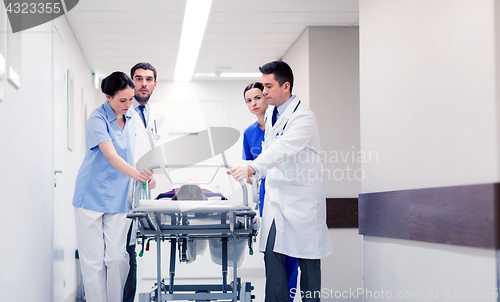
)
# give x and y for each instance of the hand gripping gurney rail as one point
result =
(182, 222)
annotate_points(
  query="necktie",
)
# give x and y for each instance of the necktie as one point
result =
(141, 107)
(275, 114)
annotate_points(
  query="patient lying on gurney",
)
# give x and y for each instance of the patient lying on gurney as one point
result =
(190, 190)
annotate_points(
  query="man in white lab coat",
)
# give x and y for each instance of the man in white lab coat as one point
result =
(150, 117)
(294, 215)
(148, 121)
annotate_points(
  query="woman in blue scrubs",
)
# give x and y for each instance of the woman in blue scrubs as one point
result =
(252, 147)
(100, 198)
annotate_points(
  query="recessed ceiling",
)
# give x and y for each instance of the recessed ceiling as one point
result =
(240, 35)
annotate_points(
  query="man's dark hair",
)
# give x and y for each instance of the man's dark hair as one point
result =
(115, 82)
(281, 70)
(142, 65)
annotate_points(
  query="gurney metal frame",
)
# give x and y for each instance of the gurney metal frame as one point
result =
(236, 222)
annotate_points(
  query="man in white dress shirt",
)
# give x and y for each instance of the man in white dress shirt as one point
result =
(148, 120)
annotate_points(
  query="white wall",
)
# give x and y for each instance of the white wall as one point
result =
(325, 61)
(38, 223)
(428, 93)
(341, 272)
(299, 54)
(422, 271)
(26, 180)
(429, 109)
(334, 93)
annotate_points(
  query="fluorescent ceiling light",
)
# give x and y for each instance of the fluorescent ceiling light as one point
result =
(240, 74)
(96, 80)
(193, 29)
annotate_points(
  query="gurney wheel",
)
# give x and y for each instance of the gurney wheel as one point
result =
(247, 296)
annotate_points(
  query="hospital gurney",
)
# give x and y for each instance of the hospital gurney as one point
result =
(185, 221)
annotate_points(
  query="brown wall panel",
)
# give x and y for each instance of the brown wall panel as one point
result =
(342, 212)
(460, 215)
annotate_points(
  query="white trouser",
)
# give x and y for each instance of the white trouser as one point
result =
(104, 261)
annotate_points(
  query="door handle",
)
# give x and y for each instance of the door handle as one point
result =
(55, 180)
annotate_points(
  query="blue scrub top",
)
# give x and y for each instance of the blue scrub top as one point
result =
(100, 187)
(252, 147)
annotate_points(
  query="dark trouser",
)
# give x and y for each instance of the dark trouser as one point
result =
(131, 284)
(276, 279)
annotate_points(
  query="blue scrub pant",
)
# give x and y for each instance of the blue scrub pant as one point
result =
(292, 272)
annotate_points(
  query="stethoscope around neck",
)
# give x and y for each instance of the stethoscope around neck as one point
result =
(154, 131)
(283, 130)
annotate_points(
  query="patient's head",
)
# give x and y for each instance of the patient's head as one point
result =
(189, 191)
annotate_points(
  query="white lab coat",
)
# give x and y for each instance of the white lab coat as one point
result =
(142, 142)
(295, 198)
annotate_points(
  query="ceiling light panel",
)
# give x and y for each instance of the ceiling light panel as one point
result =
(193, 29)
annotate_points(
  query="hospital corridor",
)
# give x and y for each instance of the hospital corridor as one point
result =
(183, 150)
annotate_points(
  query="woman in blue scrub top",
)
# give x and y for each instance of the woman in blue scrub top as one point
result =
(252, 147)
(100, 198)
